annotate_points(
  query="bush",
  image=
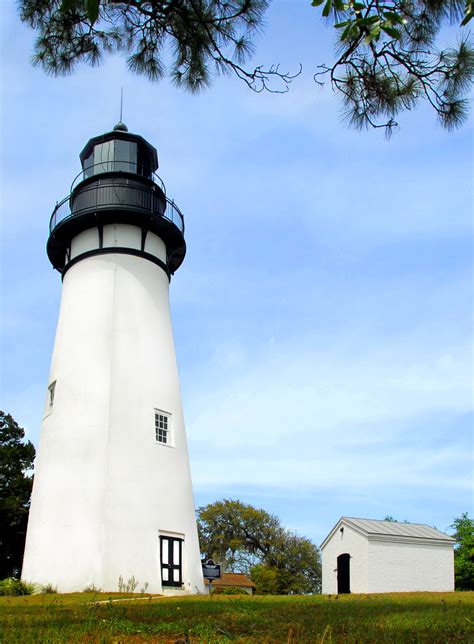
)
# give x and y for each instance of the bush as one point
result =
(12, 586)
(228, 590)
(92, 589)
(48, 589)
(266, 579)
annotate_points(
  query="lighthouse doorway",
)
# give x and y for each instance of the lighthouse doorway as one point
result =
(171, 557)
(343, 574)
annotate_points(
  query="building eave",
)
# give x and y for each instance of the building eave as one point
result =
(343, 521)
(375, 536)
(420, 541)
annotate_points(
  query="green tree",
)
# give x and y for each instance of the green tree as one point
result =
(246, 539)
(387, 59)
(266, 579)
(16, 460)
(201, 36)
(464, 552)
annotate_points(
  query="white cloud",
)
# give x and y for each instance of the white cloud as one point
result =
(325, 415)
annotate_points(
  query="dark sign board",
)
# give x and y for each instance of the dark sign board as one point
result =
(211, 570)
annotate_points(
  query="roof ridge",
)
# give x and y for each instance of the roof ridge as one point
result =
(426, 525)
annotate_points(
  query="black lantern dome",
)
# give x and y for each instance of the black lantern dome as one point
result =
(117, 184)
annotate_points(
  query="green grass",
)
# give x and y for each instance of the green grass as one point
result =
(404, 617)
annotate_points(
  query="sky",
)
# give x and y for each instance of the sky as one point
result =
(323, 314)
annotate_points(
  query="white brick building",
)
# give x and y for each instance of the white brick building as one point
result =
(367, 556)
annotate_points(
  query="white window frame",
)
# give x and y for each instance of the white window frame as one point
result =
(161, 430)
(50, 398)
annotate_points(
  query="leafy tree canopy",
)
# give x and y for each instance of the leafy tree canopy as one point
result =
(464, 553)
(246, 539)
(16, 459)
(387, 58)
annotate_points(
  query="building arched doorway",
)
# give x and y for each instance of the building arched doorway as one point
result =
(344, 573)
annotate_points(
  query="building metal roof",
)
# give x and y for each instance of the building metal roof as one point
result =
(372, 526)
(232, 579)
(409, 531)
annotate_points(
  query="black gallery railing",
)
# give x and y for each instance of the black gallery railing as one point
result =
(117, 194)
(115, 166)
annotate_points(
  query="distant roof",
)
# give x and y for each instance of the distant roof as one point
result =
(371, 527)
(233, 579)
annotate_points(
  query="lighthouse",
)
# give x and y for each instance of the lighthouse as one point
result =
(112, 500)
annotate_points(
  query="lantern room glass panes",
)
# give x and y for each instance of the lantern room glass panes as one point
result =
(88, 165)
(112, 156)
(104, 157)
(125, 155)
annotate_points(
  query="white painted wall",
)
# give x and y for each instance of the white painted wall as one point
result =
(118, 235)
(410, 567)
(356, 545)
(104, 488)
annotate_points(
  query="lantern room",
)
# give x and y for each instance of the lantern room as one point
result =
(119, 151)
(117, 186)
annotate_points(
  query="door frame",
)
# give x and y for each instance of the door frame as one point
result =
(168, 541)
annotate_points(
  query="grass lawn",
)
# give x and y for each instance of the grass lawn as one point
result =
(404, 617)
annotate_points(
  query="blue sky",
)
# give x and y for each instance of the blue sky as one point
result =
(323, 314)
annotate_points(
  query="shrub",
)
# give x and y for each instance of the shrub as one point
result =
(12, 586)
(48, 589)
(129, 586)
(92, 589)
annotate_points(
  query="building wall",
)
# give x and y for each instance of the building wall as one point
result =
(404, 567)
(356, 545)
(104, 489)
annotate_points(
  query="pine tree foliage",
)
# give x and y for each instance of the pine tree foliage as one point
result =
(16, 460)
(249, 540)
(196, 37)
(387, 58)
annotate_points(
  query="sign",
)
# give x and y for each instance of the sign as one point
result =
(211, 570)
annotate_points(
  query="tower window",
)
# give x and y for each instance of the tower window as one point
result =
(162, 427)
(51, 391)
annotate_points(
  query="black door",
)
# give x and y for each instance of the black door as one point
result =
(343, 574)
(171, 556)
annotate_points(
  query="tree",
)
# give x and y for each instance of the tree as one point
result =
(201, 35)
(246, 539)
(16, 460)
(388, 59)
(387, 55)
(464, 552)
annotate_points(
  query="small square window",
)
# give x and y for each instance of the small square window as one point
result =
(162, 427)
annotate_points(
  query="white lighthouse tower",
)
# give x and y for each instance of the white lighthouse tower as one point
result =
(112, 493)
